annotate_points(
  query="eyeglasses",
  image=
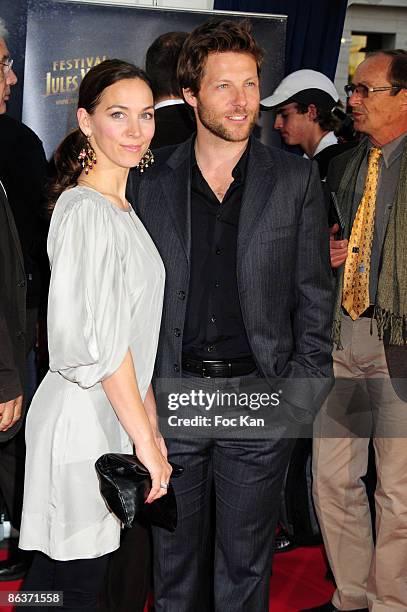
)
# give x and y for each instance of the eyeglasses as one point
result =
(363, 90)
(7, 64)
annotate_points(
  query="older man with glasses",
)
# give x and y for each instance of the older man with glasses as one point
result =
(12, 304)
(6, 64)
(12, 327)
(370, 362)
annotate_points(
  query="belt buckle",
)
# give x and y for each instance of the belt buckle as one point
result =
(203, 366)
(203, 373)
(203, 369)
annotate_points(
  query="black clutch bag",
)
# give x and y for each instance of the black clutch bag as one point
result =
(125, 485)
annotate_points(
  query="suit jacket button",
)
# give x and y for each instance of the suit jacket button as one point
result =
(177, 332)
(181, 295)
(176, 367)
(21, 283)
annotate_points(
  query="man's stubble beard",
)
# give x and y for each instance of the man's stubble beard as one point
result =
(215, 126)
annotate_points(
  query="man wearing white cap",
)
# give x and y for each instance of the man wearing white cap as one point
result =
(303, 102)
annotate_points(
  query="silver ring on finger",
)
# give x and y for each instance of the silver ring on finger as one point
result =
(164, 485)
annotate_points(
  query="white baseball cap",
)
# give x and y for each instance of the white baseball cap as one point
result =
(305, 87)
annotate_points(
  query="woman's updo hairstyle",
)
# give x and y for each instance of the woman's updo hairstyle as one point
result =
(101, 76)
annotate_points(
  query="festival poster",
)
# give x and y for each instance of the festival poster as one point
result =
(65, 39)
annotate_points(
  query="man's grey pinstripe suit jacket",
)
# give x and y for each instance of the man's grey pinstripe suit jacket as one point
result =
(283, 271)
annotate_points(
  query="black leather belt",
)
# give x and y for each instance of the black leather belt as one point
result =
(225, 368)
(369, 312)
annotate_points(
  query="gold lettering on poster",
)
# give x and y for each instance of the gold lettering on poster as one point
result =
(66, 75)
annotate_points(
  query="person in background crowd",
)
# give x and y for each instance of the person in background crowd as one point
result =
(369, 331)
(12, 325)
(104, 312)
(243, 235)
(174, 121)
(303, 103)
(23, 174)
(12, 328)
(23, 171)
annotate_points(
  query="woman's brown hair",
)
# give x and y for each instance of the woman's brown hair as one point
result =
(67, 165)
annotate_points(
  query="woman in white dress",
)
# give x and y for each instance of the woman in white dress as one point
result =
(104, 311)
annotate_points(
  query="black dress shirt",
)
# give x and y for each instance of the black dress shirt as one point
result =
(214, 327)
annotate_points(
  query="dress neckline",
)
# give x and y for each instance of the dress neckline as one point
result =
(124, 210)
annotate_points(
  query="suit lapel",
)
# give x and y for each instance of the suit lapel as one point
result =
(259, 185)
(12, 225)
(176, 186)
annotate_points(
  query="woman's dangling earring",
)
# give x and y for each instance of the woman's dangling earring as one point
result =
(146, 161)
(87, 156)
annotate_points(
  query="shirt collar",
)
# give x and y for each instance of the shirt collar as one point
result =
(326, 141)
(3, 189)
(392, 150)
(238, 172)
(170, 102)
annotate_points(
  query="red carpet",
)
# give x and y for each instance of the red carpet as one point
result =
(298, 581)
(8, 586)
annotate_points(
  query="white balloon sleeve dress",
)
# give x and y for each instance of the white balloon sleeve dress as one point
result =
(105, 296)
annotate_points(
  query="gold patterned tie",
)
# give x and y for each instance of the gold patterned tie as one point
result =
(355, 298)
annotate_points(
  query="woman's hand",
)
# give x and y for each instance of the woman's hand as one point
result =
(161, 443)
(151, 410)
(158, 466)
(140, 422)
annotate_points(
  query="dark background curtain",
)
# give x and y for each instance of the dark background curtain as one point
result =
(314, 29)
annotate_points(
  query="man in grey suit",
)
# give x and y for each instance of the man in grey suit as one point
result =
(243, 235)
